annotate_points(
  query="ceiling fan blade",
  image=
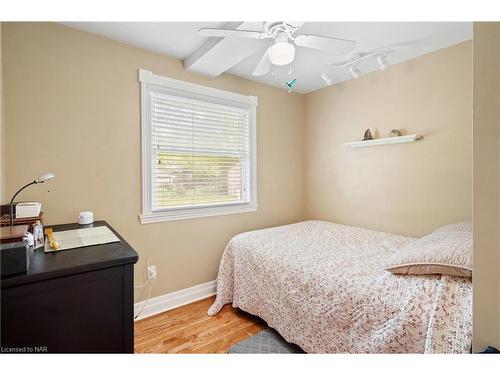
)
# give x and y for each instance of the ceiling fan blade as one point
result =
(264, 65)
(324, 43)
(224, 33)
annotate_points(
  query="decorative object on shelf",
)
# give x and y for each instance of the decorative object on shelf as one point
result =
(395, 133)
(40, 180)
(385, 141)
(368, 135)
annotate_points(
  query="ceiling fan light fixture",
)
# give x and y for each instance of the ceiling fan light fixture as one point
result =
(355, 72)
(282, 53)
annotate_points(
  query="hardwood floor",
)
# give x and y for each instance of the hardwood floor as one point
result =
(188, 329)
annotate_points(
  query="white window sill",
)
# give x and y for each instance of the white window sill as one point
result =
(193, 213)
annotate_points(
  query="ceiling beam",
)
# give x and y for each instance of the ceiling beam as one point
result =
(220, 54)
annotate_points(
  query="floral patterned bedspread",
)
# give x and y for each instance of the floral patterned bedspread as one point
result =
(323, 287)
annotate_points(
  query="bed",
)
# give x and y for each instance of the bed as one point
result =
(323, 287)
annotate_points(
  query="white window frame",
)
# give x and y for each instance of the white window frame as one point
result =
(155, 83)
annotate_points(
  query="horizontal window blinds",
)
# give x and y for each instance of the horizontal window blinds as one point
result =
(200, 153)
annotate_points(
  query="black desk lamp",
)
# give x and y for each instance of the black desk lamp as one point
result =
(40, 180)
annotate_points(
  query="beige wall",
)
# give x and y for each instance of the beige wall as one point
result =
(486, 185)
(72, 107)
(408, 189)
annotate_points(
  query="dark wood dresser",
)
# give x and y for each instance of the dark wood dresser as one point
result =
(72, 301)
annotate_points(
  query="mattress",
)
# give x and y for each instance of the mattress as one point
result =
(323, 287)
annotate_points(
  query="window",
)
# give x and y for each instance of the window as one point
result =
(198, 150)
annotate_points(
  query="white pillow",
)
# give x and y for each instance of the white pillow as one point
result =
(447, 250)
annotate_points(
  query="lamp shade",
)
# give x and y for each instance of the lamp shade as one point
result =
(44, 177)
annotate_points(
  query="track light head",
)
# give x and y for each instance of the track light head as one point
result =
(355, 72)
(327, 78)
(382, 62)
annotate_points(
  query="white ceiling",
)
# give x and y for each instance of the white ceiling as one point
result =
(181, 41)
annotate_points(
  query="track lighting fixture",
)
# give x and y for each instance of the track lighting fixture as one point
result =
(382, 62)
(327, 78)
(351, 64)
(355, 72)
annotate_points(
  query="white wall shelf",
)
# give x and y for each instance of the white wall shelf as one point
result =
(385, 141)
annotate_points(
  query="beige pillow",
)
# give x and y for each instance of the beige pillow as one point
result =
(447, 251)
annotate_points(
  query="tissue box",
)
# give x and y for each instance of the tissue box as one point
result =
(28, 209)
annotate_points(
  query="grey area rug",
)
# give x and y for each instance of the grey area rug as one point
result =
(266, 342)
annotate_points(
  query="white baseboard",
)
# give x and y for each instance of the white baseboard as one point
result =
(172, 300)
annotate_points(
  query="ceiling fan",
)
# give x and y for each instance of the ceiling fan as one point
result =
(282, 52)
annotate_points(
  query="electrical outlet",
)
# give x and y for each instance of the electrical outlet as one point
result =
(151, 272)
